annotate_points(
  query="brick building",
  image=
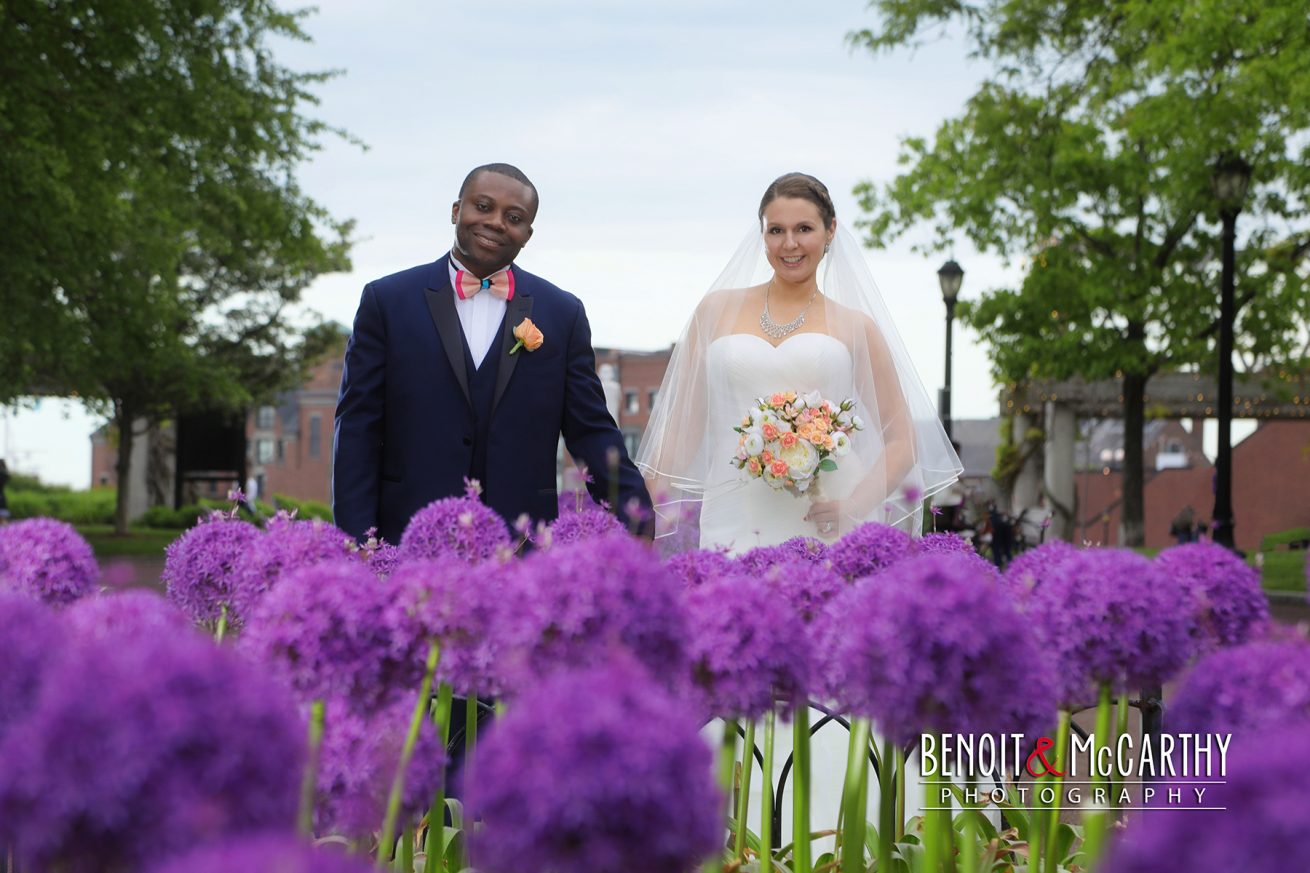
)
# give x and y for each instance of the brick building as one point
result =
(289, 442)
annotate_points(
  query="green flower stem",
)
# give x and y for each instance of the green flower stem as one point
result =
(743, 799)
(1057, 782)
(1121, 728)
(1095, 823)
(969, 833)
(727, 764)
(889, 797)
(406, 754)
(405, 857)
(766, 794)
(900, 793)
(221, 629)
(433, 846)
(855, 798)
(932, 823)
(309, 781)
(800, 790)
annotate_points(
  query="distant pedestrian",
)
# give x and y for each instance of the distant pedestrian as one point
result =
(1184, 528)
(4, 480)
(1002, 536)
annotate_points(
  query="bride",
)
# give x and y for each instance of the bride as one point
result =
(794, 311)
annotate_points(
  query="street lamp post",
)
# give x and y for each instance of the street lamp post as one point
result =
(950, 276)
(1230, 180)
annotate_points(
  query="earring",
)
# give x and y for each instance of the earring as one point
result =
(826, 246)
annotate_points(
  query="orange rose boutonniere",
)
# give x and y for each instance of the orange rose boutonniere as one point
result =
(528, 335)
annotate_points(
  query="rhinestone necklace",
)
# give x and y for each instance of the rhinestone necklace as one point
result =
(778, 331)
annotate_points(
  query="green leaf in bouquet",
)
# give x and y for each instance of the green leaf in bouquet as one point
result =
(827, 464)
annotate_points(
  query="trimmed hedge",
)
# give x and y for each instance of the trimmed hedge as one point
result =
(74, 507)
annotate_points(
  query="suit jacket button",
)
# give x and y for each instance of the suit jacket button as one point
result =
(468, 441)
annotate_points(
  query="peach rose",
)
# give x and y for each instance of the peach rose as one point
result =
(778, 399)
(789, 440)
(529, 336)
(754, 467)
(778, 468)
(770, 431)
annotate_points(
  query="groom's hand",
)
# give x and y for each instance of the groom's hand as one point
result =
(826, 515)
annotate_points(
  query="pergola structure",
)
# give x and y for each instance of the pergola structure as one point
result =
(1056, 406)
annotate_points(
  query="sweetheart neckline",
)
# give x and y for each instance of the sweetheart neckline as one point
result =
(785, 341)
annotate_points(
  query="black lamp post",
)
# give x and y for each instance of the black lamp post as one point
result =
(951, 277)
(1230, 180)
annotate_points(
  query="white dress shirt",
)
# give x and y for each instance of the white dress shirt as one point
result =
(480, 317)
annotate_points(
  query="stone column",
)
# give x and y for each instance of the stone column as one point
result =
(1058, 472)
(1028, 483)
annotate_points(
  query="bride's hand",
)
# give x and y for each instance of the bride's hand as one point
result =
(826, 516)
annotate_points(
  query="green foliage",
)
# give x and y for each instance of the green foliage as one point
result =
(26, 482)
(74, 507)
(155, 232)
(303, 508)
(1087, 156)
(1296, 538)
(1283, 570)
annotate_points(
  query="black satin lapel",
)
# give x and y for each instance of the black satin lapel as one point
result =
(441, 304)
(518, 309)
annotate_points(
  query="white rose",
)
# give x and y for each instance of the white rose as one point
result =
(801, 458)
(841, 444)
(758, 416)
(754, 442)
(813, 399)
(857, 422)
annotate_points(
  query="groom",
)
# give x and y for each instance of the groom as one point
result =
(472, 368)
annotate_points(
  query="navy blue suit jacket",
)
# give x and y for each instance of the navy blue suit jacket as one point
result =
(404, 423)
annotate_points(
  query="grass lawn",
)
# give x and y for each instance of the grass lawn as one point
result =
(1284, 570)
(139, 541)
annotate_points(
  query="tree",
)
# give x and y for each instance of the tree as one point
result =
(163, 239)
(1088, 153)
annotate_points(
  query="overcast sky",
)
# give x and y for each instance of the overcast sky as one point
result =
(650, 130)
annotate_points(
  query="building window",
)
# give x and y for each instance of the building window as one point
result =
(315, 436)
(631, 440)
(631, 402)
(281, 450)
(263, 451)
(651, 396)
(264, 417)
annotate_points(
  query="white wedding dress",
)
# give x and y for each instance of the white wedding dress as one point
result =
(742, 367)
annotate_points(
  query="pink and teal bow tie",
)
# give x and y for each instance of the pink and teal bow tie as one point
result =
(499, 284)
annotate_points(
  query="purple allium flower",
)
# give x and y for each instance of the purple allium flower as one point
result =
(286, 545)
(383, 560)
(142, 745)
(943, 543)
(200, 568)
(1231, 607)
(1262, 828)
(796, 549)
(274, 852)
(461, 607)
(358, 761)
(930, 645)
(575, 501)
(1033, 567)
(1246, 687)
(805, 586)
(48, 560)
(699, 565)
(598, 769)
(586, 524)
(122, 614)
(31, 637)
(869, 549)
(573, 604)
(1111, 615)
(454, 527)
(745, 644)
(323, 631)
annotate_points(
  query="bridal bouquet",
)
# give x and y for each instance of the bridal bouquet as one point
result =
(788, 439)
